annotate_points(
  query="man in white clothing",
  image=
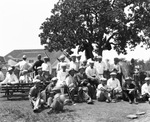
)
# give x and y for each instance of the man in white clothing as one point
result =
(61, 76)
(146, 89)
(11, 78)
(46, 66)
(103, 91)
(73, 64)
(23, 66)
(92, 74)
(114, 84)
(62, 60)
(100, 67)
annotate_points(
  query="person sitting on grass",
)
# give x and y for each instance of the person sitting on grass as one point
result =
(35, 96)
(114, 84)
(103, 92)
(130, 91)
(82, 85)
(11, 78)
(145, 90)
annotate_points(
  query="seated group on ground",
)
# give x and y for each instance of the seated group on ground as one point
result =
(79, 82)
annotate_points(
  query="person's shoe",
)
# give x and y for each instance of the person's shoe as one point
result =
(35, 110)
(107, 101)
(50, 111)
(114, 101)
(135, 102)
(130, 102)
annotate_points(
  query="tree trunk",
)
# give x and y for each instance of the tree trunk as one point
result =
(100, 51)
(88, 51)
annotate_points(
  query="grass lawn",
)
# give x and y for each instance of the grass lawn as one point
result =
(20, 111)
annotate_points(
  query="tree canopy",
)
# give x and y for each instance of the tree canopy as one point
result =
(118, 24)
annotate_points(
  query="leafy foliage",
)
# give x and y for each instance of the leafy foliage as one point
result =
(105, 23)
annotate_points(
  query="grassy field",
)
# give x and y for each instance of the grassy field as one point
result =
(20, 111)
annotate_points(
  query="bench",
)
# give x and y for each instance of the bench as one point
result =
(16, 90)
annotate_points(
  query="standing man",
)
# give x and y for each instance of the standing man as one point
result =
(100, 67)
(131, 67)
(73, 64)
(37, 64)
(62, 60)
(23, 66)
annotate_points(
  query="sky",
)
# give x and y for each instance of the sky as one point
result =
(20, 21)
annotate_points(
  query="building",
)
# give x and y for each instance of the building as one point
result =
(16, 55)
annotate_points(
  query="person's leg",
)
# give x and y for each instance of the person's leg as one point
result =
(80, 94)
(100, 96)
(107, 96)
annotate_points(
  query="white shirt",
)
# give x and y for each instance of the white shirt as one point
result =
(10, 78)
(23, 65)
(100, 67)
(74, 65)
(145, 89)
(70, 81)
(1, 76)
(114, 84)
(47, 67)
(61, 77)
(91, 72)
(99, 89)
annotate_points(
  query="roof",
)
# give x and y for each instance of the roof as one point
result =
(30, 53)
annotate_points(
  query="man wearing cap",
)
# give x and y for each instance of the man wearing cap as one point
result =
(84, 63)
(145, 90)
(129, 90)
(23, 66)
(10, 77)
(37, 64)
(73, 64)
(83, 86)
(35, 96)
(103, 91)
(62, 60)
(114, 84)
(61, 75)
(100, 67)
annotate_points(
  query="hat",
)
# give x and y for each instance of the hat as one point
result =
(61, 57)
(113, 73)
(63, 64)
(54, 79)
(78, 55)
(99, 57)
(39, 55)
(24, 56)
(128, 78)
(72, 69)
(10, 68)
(147, 78)
(36, 81)
(103, 79)
(39, 68)
(81, 67)
(91, 61)
(73, 55)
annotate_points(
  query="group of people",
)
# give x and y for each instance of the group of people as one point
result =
(81, 81)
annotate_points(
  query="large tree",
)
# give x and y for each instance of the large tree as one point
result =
(118, 24)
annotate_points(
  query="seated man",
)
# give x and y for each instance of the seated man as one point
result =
(70, 84)
(82, 85)
(35, 96)
(103, 92)
(129, 90)
(92, 74)
(114, 84)
(11, 78)
(146, 90)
